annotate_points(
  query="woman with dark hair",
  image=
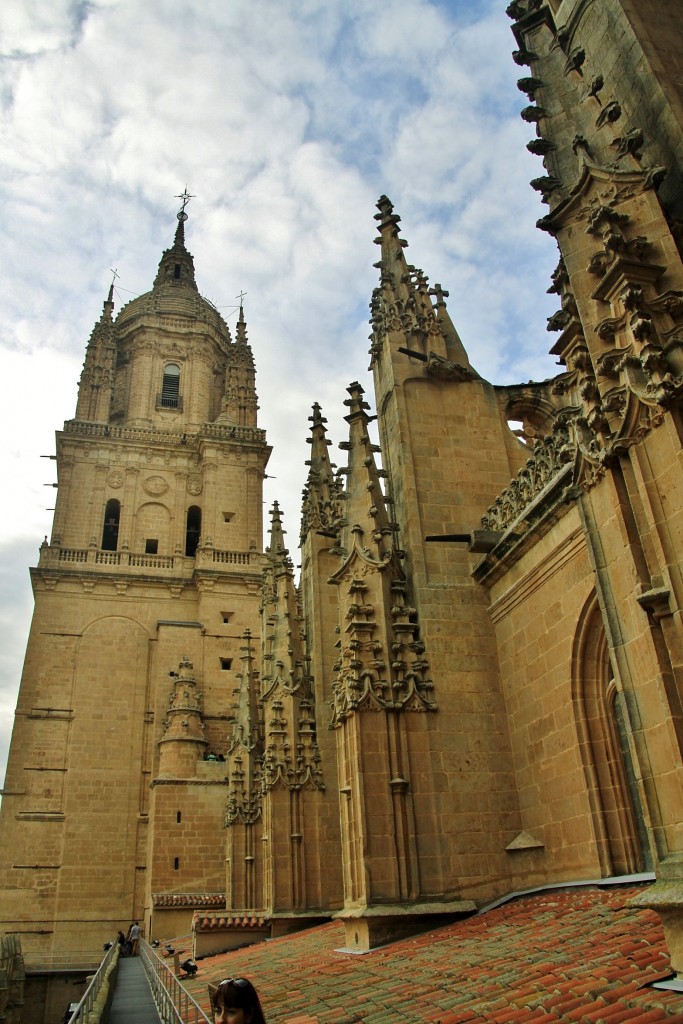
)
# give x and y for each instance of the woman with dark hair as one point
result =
(235, 1001)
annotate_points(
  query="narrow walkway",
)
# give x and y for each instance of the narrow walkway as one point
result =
(132, 1002)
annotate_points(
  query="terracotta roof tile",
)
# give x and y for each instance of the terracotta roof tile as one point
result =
(578, 955)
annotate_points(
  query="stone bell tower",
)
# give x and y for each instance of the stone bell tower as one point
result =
(151, 577)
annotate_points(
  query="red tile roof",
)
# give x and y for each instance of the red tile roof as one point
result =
(188, 899)
(575, 955)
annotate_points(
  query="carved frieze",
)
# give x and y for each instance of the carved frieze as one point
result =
(550, 455)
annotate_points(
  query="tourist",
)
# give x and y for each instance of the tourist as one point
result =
(235, 1001)
(134, 938)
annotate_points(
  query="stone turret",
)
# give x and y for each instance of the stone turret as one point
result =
(240, 404)
(183, 742)
(176, 268)
(97, 377)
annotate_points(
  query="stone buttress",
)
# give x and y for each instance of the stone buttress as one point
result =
(382, 704)
(300, 873)
(447, 451)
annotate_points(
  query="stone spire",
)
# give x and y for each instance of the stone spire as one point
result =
(177, 266)
(291, 755)
(320, 509)
(182, 743)
(365, 514)
(402, 312)
(246, 744)
(97, 376)
(382, 662)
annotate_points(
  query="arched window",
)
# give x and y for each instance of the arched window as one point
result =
(193, 530)
(110, 531)
(170, 388)
(603, 726)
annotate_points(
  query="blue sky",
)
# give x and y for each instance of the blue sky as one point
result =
(287, 120)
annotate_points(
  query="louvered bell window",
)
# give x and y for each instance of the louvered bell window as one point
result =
(170, 389)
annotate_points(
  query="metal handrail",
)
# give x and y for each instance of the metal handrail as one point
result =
(174, 1003)
(93, 990)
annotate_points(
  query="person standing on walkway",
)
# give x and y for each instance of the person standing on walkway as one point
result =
(134, 938)
(235, 1001)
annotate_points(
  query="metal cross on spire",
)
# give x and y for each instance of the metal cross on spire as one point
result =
(185, 197)
(241, 298)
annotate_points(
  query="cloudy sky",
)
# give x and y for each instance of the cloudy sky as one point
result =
(287, 119)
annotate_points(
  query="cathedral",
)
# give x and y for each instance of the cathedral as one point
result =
(475, 686)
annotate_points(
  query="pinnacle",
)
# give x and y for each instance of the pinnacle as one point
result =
(320, 509)
(366, 507)
(276, 550)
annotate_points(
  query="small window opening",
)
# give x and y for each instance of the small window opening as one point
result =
(176, 863)
(518, 429)
(227, 516)
(193, 530)
(170, 387)
(226, 663)
(226, 616)
(178, 816)
(176, 272)
(110, 531)
(151, 546)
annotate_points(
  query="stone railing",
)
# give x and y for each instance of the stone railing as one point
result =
(54, 556)
(150, 435)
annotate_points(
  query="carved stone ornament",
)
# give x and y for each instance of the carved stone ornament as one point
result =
(532, 114)
(155, 486)
(540, 147)
(518, 8)
(549, 456)
(609, 114)
(575, 61)
(546, 185)
(631, 142)
(115, 478)
(445, 369)
(529, 86)
(382, 664)
(522, 57)
(194, 484)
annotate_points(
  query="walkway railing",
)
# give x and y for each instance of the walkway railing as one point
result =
(93, 990)
(174, 1003)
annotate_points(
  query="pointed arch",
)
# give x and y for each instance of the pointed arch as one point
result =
(604, 746)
